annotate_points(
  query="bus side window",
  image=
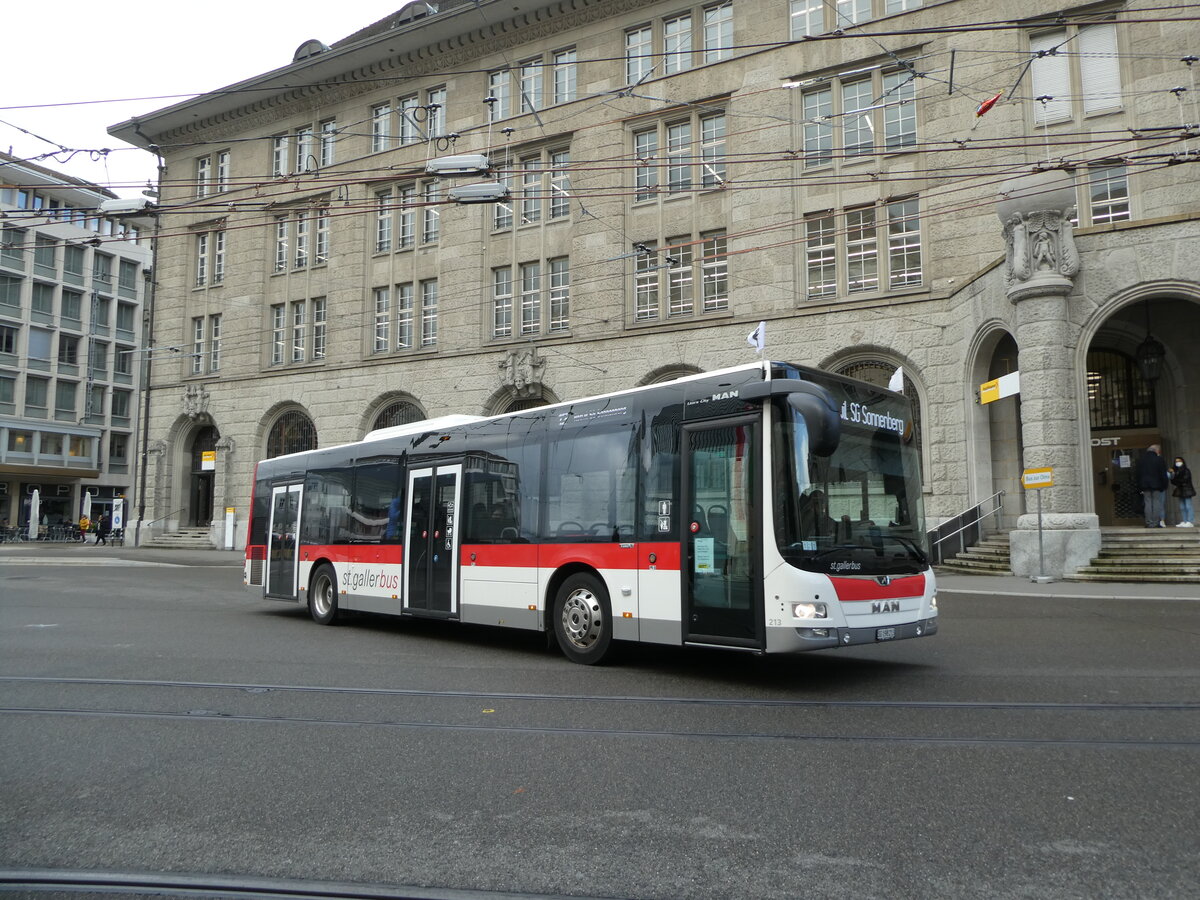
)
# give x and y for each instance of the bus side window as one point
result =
(326, 509)
(377, 511)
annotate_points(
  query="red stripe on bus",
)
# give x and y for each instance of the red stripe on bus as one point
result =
(552, 556)
(852, 589)
(354, 553)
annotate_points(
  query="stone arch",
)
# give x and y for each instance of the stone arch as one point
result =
(187, 492)
(286, 428)
(1116, 326)
(669, 373)
(507, 400)
(392, 408)
(994, 455)
(874, 364)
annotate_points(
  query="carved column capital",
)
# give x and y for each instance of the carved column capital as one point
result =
(1041, 257)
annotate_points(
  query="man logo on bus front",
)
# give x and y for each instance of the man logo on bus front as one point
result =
(884, 580)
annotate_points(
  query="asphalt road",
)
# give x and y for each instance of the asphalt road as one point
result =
(159, 719)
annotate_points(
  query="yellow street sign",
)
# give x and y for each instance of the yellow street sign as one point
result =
(1004, 386)
(1037, 478)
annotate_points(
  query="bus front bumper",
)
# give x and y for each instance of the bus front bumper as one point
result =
(818, 638)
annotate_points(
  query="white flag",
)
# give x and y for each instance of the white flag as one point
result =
(897, 382)
(758, 337)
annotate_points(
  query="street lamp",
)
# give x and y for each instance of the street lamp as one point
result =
(1149, 354)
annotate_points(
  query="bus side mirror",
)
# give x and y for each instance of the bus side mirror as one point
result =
(822, 420)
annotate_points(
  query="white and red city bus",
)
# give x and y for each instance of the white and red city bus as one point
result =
(769, 507)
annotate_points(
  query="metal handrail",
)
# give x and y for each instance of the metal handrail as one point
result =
(167, 516)
(970, 518)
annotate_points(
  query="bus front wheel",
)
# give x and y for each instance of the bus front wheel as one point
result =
(582, 619)
(322, 595)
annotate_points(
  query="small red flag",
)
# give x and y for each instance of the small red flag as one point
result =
(987, 104)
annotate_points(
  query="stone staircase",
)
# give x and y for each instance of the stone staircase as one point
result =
(988, 557)
(1159, 555)
(183, 539)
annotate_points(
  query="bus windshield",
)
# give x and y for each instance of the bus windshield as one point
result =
(857, 511)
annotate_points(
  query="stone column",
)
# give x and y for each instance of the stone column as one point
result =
(224, 487)
(1042, 262)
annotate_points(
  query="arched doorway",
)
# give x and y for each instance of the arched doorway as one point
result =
(1139, 363)
(202, 476)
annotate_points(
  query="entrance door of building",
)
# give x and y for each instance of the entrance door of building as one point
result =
(1114, 476)
(203, 479)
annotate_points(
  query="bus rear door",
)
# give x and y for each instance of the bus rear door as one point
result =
(283, 546)
(433, 531)
(721, 559)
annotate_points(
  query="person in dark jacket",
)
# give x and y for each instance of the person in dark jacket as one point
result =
(1152, 481)
(1181, 475)
(103, 529)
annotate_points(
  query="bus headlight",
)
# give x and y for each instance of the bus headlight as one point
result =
(809, 610)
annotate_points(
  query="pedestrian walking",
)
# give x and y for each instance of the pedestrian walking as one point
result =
(84, 524)
(1184, 491)
(103, 528)
(1153, 481)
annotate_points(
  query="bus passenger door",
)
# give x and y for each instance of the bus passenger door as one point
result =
(283, 545)
(721, 557)
(431, 549)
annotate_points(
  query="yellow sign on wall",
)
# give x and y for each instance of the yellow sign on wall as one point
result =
(1037, 478)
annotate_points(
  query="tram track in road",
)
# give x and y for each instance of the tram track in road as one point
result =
(1031, 723)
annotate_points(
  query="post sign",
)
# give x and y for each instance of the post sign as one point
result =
(208, 460)
(1037, 478)
(1004, 386)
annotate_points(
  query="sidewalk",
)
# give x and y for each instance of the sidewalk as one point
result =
(1017, 586)
(73, 553)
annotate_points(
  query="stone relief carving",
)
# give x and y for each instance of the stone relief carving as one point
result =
(195, 401)
(522, 372)
(1040, 249)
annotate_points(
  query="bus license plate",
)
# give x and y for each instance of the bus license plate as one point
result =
(885, 634)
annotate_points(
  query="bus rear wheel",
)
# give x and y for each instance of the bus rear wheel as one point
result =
(582, 619)
(322, 595)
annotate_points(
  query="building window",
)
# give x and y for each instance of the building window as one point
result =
(281, 243)
(299, 331)
(8, 339)
(531, 298)
(65, 397)
(564, 75)
(203, 176)
(68, 350)
(302, 227)
(197, 345)
(718, 31)
(431, 216)
(399, 413)
(855, 250)
(411, 117)
(672, 273)
(531, 190)
(435, 111)
(118, 448)
(393, 325)
(531, 84)
(121, 405)
(560, 294)
(560, 184)
(696, 155)
(35, 396)
(321, 251)
(222, 171)
(499, 95)
(1077, 72)
(808, 18)
(639, 62)
(328, 146)
(502, 302)
(714, 269)
(214, 343)
(126, 315)
(293, 432)
(278, 318)
(383, 221)
(677, 44)
(306, 159)
(381, 127)
(279, 154)
(201, 259)
(319, 327)
(875, 112)
(429, 311)
(1106, 189)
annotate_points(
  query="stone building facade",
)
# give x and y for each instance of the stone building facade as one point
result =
(863, 177)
